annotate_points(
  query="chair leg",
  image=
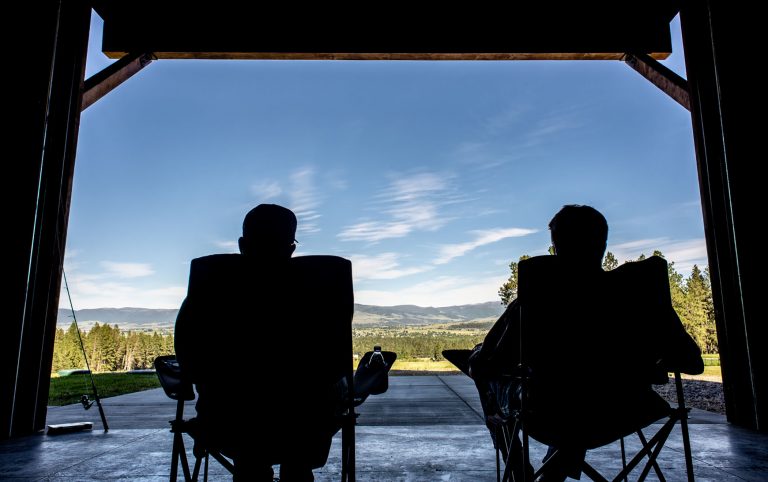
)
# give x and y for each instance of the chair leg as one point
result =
(196, 471)
(624, 457)
(657, 448)
(507, 438)
(179, 455)
(348, 447)
(687, 447)
(526, 455)
(498, 449)
(656, 468)
(183, 455)
(593, 474)
(513, 453)
(175, 459)
(659, 437)
(683, 412)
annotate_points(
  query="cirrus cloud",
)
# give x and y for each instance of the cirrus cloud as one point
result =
(488, 236)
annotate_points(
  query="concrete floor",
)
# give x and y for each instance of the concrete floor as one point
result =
(425, 428)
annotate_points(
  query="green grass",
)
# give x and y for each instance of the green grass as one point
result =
(711, 360)
(69, 389)
(424, 364)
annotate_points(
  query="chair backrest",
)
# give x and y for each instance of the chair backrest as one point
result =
(564, 319)
(574, 311)
(594, 340)
(261, 341)
(287, 319)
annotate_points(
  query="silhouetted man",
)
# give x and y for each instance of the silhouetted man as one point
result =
(232, 340)
(595, 342)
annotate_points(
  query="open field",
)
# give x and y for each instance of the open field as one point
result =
(419, 350)
(69, 389)
(424, 364)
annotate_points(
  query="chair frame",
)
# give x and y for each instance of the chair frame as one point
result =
(650, 447)
(201, 453)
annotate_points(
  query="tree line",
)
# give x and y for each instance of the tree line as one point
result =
(421, 345)
(109, 349)
(691, 298)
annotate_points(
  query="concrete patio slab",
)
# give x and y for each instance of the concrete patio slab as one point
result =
(425, 428)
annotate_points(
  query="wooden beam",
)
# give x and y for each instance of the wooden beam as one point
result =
(443, 56)
(662, 77)
(104, 82)
(515, 31)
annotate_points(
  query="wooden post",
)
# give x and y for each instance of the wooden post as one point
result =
(48, 145)
(728, 164)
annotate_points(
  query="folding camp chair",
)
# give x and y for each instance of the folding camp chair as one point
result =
(545, 397)
(306, 307)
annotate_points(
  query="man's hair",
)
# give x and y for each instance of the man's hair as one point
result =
(579, 232)
(270, 224)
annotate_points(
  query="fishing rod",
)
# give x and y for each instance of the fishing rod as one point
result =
(87, 403)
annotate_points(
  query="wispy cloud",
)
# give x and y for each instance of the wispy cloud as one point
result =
(229, 246)
(117, 285)
(102, 290)
(89, 293)
(305, 198)
(441, 291)
(265, 190)
(335, 179)
(505, 120)
(299, 193)
(410, 203)
(510, 134)
(127, 270)
(451, 251)
(684, 253)
(382, 266)
(548, 127)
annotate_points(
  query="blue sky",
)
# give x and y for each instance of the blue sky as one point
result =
(430, 176)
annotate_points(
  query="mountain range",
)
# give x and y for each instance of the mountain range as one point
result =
(163, 319)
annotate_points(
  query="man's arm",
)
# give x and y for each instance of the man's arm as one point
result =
(185, 339)
(499, 348)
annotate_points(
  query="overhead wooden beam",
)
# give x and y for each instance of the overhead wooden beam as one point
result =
(173, 29)
(662, 77)
(104, 82)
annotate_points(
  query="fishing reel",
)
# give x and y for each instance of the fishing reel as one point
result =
(87, 403)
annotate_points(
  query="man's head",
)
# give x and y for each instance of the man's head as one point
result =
(269, 230)
(579, 233)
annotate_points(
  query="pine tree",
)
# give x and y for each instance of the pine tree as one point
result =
(610, 262)
(58, 359)
(699, 296)
(711, 337)
(71, 353)
(508, 290)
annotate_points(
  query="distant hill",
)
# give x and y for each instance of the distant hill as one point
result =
(419, 315)
(120, 316)
(163, 319)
